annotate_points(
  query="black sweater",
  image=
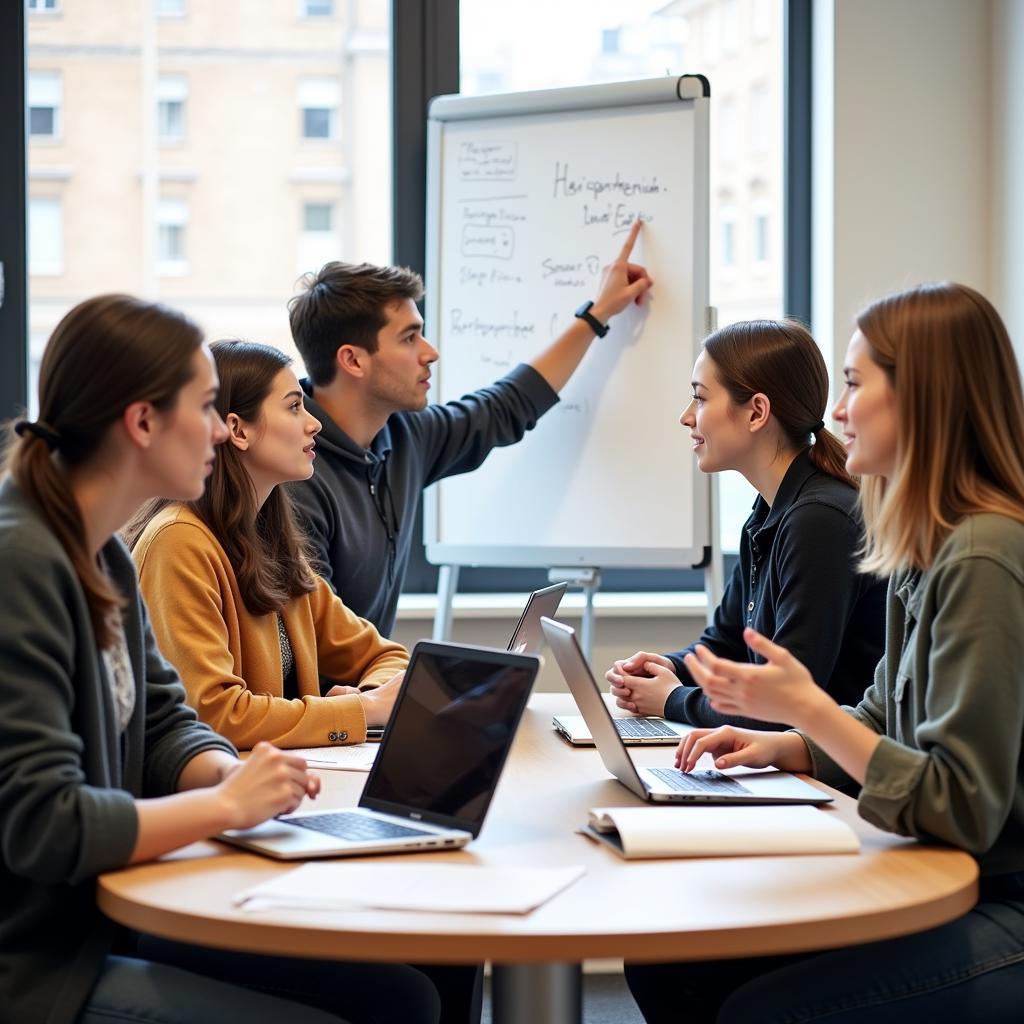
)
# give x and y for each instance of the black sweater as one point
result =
(796, 584)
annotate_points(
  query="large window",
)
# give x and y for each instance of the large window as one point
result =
(737, 44)
(204, 154)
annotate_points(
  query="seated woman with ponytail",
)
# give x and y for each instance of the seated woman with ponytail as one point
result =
(102, 762)
(760, 389)
(265, 648)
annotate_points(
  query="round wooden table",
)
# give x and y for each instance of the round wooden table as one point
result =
(641, 911)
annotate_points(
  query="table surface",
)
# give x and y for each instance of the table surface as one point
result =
(640, 910)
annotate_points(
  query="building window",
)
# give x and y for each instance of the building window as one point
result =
(319, 99)
(44, 6)
(171, 93)
(45, 236)
(762, 125)
(727, 237)
(611, 40)
(317, 8)
(317, 217)
(172, 221)
(170, 8)
(761, 239)
(45, 96)
(318, 242)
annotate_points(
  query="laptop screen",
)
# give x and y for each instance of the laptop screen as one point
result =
(449, 734)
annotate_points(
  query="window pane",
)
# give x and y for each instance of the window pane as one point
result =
(737, 44)
(317, 8)
(171, 119)
(316, 123)
(239, 170)
(45, 235)
(42, 121)
(317, 216)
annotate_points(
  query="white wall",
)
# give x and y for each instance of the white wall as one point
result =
(1008, 166)
(903, 173)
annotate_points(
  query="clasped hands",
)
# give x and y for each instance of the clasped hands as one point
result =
(778, 690)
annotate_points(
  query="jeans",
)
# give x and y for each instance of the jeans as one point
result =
(969, 970)
(179, 984)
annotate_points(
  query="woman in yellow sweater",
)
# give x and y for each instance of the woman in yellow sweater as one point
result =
(264, 647)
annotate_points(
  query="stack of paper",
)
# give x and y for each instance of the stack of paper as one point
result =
(720, 831)
(451, 888)
(358, 757)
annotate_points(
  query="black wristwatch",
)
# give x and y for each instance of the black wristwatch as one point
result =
(596, 326)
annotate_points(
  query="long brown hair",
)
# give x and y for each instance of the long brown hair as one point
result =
(779, 359)
(265, 547)
(960, 421)
(105, 354)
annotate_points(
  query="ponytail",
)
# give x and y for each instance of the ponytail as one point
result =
(780, 359)
(829, 456)
(35, 471)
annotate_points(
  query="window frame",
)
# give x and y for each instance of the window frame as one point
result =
(425, 40)
(13, 210)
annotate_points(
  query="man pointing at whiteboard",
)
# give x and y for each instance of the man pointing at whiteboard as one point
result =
(360, 335)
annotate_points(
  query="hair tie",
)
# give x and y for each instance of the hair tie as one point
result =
(818, 427)
(39, 429)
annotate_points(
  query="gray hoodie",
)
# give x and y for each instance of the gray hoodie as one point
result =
(359, 506)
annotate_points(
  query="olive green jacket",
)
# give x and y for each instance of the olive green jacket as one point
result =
(948, 700)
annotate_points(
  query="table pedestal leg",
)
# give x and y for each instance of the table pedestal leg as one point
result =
(537, 993)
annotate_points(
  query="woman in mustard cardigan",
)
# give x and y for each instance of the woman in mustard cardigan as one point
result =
(265, 648)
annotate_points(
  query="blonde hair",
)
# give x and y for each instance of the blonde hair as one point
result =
(960, 422)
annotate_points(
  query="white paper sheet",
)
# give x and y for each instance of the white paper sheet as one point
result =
(358, 757)
(441, 888)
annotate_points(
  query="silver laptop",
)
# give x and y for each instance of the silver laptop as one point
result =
(664, 785)
(450, 732)
(528, 636)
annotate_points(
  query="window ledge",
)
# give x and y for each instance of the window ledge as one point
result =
(689, 604)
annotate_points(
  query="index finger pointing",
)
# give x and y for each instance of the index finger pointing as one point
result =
(627, 246)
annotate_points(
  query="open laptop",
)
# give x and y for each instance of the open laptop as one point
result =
(450, 732)
(527, 637)
(664, 785)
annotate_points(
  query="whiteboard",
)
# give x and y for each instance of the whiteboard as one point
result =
(529, 196)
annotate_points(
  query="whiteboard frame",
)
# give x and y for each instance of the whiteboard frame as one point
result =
(688, 89)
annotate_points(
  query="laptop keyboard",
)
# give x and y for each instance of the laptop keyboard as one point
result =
(356, 827)
(639, 728)
(706, 781)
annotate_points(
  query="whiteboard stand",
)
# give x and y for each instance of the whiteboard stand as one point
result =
(589, 580)
(447, 584)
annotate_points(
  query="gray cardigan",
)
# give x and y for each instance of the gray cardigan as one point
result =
(67, 781)
(948, 700)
